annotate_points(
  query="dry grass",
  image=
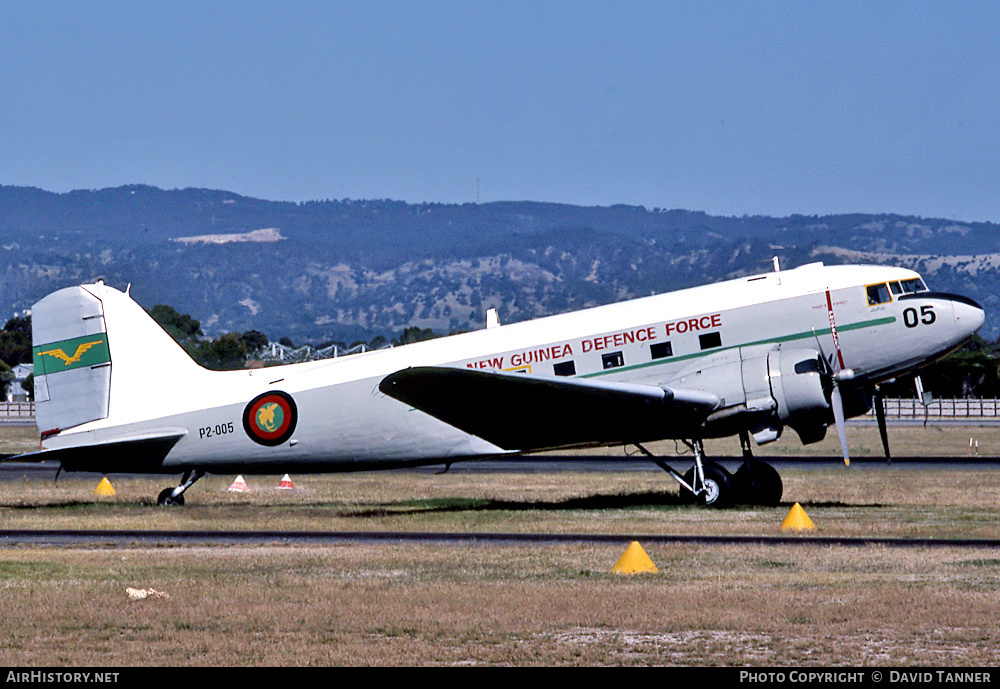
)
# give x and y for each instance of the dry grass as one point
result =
(557, 605)
(15, 439)
(856, 501)
(506, 605)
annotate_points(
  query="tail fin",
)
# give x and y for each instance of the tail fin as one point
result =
(98, 355)
(72, 360)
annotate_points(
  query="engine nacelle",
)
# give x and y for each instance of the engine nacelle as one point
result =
(781, 387)
(765, 390)
(798, 387)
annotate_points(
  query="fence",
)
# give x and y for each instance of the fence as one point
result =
(15, 411)
(966, 408)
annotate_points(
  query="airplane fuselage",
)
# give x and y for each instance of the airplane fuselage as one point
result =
(871, 323)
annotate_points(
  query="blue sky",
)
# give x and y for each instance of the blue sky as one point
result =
(728, 107)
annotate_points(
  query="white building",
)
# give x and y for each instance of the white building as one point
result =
(16, 393)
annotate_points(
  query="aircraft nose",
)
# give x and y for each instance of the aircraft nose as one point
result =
(969, 315)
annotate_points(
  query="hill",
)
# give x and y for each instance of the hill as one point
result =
(344, 270)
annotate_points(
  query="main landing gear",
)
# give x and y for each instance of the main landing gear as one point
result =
(175, 496)
(709, 484)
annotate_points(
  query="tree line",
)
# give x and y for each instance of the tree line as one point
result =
(232, 351)
(15, 348)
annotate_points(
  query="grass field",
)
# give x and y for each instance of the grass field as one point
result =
(534, 605)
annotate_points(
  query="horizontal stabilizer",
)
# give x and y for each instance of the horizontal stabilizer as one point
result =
(138, 454)
(516, 411)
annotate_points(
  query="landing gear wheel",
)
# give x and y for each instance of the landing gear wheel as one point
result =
(758, 483)
(718, 488)
(167, 496)
(164, 499)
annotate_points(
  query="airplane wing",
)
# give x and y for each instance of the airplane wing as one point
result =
(516, 411)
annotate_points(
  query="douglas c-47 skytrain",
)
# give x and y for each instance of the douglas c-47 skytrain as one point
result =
(797, 349)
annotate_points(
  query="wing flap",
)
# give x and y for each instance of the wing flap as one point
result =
(520, 412)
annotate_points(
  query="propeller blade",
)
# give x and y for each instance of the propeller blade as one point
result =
(836, 402)
(833, 332)
(922, 397)
(879, 402)
(827, 363)
(838, 415)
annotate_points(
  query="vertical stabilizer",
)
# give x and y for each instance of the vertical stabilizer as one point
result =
(99, 355)
(72, 360)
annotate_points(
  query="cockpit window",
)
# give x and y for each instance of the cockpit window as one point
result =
(878, 294)
(896, 288)
(913, 285)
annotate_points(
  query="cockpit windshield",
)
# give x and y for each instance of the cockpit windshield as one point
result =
(912, 285)
(878, 294)
(883, 292)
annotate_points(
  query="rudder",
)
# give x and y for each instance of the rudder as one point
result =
(72, 360)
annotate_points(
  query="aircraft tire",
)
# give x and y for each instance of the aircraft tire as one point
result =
(164, 499)
(760, 484)
(719, 484)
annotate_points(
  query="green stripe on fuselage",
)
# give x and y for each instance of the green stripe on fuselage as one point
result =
(810, 335)
(66, 355)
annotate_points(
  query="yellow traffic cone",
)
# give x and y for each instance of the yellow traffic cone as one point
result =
(104, 488)
(797, 519)
(634, 561)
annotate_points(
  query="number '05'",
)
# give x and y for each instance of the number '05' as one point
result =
(911, 319)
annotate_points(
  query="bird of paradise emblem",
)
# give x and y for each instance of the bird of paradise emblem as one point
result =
(269, 419)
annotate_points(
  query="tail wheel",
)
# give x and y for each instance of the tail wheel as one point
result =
(175, 496)
(165, 499)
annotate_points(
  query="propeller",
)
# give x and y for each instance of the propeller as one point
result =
(836, 377)
(838, 416)
(836, 399)
(878, 401)
(924, 397)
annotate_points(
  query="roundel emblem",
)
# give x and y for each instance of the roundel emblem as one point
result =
(270, 418)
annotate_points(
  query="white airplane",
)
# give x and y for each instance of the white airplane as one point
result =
(800, 349)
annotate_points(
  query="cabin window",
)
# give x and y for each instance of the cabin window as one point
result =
(913, 285)
(661, 350)
(565, 368)
(613, 360)
(710, 340)
(878, 294)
